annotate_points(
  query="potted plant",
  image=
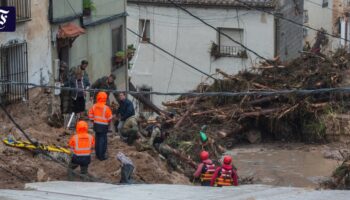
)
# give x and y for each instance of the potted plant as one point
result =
(119, 57)
(88, 6)
(131, 51)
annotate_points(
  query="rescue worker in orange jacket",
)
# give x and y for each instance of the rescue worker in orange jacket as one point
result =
(226, 175)
(81, 144)
(101, 115)
(205, 169)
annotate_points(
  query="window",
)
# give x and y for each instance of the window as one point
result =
(144, 30)
(144, 108)
(23, 8)
(226, 46)
(117, 46)
(325, 3)
(305, 32)
(306, 16)
(13, 67)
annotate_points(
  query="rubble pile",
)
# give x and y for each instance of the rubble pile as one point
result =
(255, 118)
(19, 166)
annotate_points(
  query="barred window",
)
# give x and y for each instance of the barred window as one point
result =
(23, 8)
(13, 67)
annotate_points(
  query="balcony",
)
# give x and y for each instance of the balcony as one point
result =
(227, 51)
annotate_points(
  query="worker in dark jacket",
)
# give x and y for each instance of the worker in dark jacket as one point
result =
(125, 111)
(104, 83)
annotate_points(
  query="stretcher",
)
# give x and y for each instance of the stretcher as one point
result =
(30, 146)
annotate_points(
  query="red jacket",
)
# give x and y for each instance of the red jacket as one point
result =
(198, 172)
(226, 167)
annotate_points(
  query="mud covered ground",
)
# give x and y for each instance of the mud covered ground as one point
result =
(32, 117)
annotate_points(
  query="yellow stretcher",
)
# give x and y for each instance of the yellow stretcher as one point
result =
(30, 146)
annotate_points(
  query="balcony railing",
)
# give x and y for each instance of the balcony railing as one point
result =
(23, 9)
(232, 51)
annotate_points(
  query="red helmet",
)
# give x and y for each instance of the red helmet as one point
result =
(227, 160)
(204, 155)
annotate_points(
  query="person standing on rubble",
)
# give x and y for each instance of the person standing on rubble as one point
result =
(81, 144)
(65, 94)
(104, 83)
(82, 67)
(226, 175)
(205, 169)
(78, 95)
(101, 115)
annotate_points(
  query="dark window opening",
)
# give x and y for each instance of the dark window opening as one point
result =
(13, 67)
(145, 108)
(145, 30)
(325, 3)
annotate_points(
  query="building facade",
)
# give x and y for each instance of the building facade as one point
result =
(184, 36)
(330, 10)
(25, 55)
(95, 32)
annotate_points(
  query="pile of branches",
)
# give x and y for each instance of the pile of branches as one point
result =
(340, 179)
(253, 118)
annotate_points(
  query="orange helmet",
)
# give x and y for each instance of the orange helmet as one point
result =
(227, 160)
(82, 127)
(102, 97)
(204, 155)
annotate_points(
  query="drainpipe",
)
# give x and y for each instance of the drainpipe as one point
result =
(125, 50)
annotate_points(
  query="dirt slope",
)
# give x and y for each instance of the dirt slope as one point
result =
(32, 117)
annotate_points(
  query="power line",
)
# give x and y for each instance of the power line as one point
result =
(299, 92)
(217, 30)
(289, 20)
(170, 54)
(36, 144)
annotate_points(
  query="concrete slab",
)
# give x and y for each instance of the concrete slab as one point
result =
(101, 191)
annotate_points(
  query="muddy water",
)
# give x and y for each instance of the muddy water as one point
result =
(298, 167)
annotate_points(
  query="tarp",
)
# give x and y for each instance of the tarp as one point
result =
(69, 30)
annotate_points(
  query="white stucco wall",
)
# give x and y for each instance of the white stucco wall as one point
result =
(36, 33)
(190, 40)
(320, 17)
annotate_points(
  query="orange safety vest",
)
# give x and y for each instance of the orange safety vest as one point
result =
(207, 172)
(225, 178)
(83, 145)
(99, 114)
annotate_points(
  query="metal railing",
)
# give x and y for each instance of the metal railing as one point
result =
(13, 67)
(229, 50)
(23, 9)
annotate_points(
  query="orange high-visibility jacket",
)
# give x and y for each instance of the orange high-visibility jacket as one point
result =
(82, 143)
(100, 113)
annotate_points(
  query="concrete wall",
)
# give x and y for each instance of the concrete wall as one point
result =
(190, 40)
(327, 22)
(96, 44)
(290, 35)
(66, 8)
(105, 8)
(37, 34)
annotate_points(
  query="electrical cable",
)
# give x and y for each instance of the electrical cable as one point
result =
(87, 177)
(200, 94)
(167, 52)
(217, 30)
(289, 20)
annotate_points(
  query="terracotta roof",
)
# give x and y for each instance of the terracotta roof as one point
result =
(70, 30)
(212, 3)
